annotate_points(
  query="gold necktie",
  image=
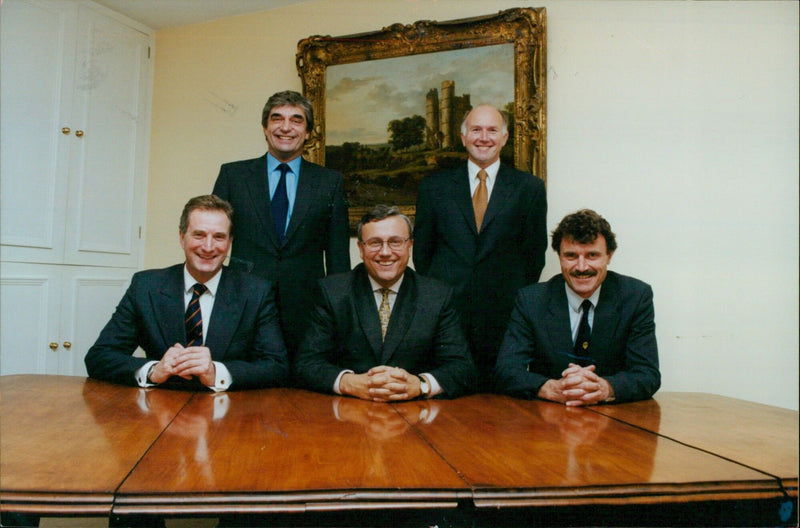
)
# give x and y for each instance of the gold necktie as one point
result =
(480, 199)
(384, 312)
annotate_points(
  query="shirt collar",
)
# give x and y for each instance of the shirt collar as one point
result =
(273, 162)
(394, 288)
(575, 300)
(212, 284)
(491, 170)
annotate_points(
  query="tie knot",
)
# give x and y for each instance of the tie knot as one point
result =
(199, 289)
(586, 305)
(284, 168)
(482, 175)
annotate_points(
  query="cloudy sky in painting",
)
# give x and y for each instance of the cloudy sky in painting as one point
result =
(362, 98)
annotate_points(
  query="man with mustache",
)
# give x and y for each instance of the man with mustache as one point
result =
(586, 336)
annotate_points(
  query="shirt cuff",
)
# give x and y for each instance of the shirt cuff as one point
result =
(223, 379)
(336, 388)
(141, 375)
(434, 385)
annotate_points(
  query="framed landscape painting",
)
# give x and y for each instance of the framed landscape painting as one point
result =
(389, 104)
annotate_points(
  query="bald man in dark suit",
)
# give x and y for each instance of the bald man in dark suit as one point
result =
(480, 227)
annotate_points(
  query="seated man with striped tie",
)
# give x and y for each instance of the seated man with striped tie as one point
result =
(586, 336)
(382, 332)
(200, 324)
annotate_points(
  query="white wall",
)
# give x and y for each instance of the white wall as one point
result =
(678, 121)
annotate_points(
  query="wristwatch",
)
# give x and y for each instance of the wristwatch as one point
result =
(424, 388)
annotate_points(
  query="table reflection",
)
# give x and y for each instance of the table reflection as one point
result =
(381, 421)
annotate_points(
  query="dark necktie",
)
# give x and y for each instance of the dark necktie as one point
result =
(480, 199)
(280, 203)
(194, 317)
(584, 332)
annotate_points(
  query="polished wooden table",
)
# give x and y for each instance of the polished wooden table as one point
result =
(73, 446)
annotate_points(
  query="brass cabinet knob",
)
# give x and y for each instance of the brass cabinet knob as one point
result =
(79, 133)
(66, 131)
(67, 345)
(53, 346)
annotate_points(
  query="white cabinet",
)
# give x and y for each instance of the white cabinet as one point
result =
(74, 133)
(75, 122)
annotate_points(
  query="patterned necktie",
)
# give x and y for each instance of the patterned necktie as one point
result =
(480, 199)
(384, 312)
(194, 317)
(280, 203)
(584, 332)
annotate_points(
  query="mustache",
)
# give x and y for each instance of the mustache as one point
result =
(582, 274)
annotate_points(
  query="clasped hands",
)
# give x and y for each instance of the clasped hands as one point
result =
(381, 384)
(578, 386)
(186, 363)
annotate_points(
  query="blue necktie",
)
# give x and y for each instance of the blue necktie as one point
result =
(194, 317)
(280, 203)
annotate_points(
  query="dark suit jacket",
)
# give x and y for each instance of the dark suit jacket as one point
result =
(424, 333)
(317, 237)
(485, 269)
(538, 345)
(243, 333)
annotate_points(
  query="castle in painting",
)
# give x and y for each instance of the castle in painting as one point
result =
(443, 116)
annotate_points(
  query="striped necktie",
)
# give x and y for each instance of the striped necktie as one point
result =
(194, 317)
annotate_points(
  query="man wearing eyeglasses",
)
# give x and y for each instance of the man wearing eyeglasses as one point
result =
(381, 332)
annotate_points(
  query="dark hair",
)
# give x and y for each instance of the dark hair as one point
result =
(583, 227)
(379, 212)
(205, 202)
(289, 98)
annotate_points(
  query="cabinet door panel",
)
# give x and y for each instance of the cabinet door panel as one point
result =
(90, 297)
(106, 193)
(37, 66)
(29, 312)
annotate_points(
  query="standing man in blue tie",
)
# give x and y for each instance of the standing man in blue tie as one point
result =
(291, 223)
(586, 336)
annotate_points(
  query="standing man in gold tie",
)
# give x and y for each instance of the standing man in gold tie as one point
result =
(481, 227)
(382, 332)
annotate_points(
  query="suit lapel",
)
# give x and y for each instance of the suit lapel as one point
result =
(303, 198)
(606, 316)
(463, 198)
(224, 317)
(258, 187)
(558, 327)
(367, 311)
(168, 307)
(502, 193)
(402, 315)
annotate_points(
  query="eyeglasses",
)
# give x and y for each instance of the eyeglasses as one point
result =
(376, 244)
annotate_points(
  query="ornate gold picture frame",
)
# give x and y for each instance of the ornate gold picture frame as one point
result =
(522, 28)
